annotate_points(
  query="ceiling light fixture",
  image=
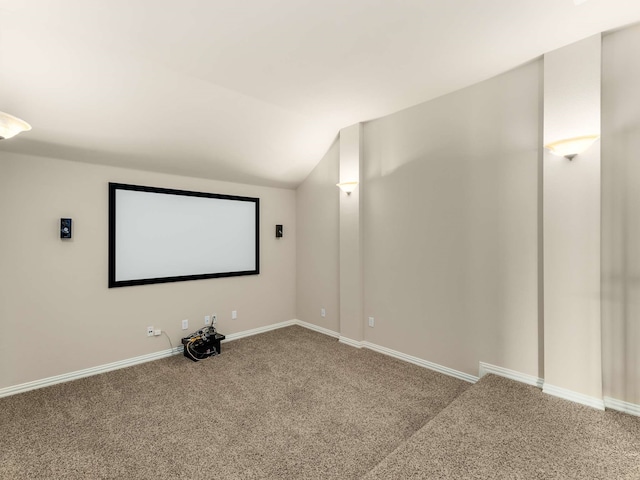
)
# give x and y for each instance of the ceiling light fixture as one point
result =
(347, 187)
(11, 126)
(571, 147)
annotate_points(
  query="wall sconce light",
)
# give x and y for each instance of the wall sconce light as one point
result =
(11, 126)
(571, 147)
(347, 187)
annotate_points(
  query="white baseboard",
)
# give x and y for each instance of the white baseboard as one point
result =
(484, 368)
(622, 406)
(420, 362)
(275, 326)
(348, 341)
(408, 358)
(255, 331)
(511, 374)
(87, 372)
(572, 396)
(563, 393)
(317, 328)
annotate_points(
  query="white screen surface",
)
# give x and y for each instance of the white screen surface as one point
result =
(161, 235)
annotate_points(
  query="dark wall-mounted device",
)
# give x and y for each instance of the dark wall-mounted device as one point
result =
(65, 228)
(278, 231)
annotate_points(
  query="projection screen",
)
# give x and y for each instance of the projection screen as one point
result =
(159, 235)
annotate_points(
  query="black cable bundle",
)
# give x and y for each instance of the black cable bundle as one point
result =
(198, 349)
(200, 344)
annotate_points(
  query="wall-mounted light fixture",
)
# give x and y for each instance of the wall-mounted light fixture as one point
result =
(571, 147)
(11, 126)
(347, 187)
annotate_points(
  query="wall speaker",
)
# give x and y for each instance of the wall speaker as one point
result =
(65, 228)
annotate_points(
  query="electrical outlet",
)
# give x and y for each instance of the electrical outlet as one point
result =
(372, 322)
(323, 312)
(207, 320)
(149, 331)
(157, 333)
(234, 314)
(214, 319)
(185, 323)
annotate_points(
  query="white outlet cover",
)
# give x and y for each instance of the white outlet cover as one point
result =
(371, 321)
(185, 324)
(207, 319)
(234, 314)
(323, 312)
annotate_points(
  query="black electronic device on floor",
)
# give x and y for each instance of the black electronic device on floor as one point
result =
(202, 344)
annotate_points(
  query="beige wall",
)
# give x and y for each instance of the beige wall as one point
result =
(452, 229)
(572, 330)
(317, 254)
(450, 205)
(57, 314)
(621, 215)
(351, 284)
(451, 226)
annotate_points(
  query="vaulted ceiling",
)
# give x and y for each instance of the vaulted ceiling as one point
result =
(254, 91)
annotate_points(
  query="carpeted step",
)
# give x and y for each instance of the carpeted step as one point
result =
(504, 429)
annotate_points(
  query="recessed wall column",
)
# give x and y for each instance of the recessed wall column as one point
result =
(571, 197)
(351, 289)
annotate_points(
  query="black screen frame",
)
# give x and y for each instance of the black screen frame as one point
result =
(113, 283)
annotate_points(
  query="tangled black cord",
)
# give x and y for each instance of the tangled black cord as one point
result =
(193, 351)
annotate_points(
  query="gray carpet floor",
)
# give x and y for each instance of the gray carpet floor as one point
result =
(291, 403)
(501, 429)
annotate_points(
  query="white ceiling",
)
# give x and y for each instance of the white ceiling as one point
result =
(254, 91)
